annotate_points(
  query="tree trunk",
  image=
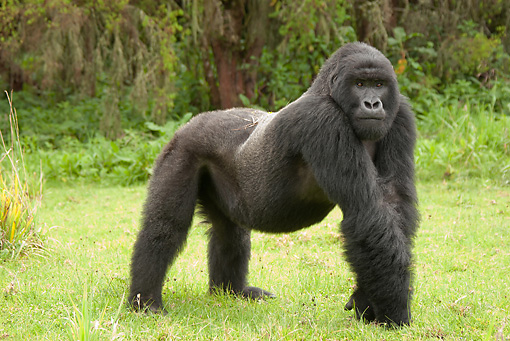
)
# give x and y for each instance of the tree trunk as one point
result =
(230, 78)
(376, 19)
(235, 31)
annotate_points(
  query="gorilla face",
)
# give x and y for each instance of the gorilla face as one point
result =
(365, 88)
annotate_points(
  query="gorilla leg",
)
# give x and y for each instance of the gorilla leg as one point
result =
(167, 218)
(229, 255)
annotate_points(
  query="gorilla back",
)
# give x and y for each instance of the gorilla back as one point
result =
(347, 141)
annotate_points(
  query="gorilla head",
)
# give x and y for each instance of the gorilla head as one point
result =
(365, 88)
(361, 80)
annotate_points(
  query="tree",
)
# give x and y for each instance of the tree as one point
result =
(235, 31)
(376, 19)
(244, 42)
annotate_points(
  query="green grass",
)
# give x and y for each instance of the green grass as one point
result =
(463, 141)
(462, 275)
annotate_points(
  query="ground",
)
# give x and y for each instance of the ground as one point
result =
(462, 262)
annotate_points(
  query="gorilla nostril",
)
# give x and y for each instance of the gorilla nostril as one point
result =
(372, 105)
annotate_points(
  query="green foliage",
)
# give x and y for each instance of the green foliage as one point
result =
(463, 124)
(81, 324)
(82, 327)
(471, 54)
(49, 124)
(192, 93)
(93, 49)
(465, 134)
(100, 71)
(126, 161)
(310, 31)
(413, 63)
(470, 38)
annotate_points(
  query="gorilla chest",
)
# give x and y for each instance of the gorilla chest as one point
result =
(291, 200)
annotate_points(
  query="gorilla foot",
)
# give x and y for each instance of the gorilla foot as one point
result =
(255, 293)
(361, 305)
(147, 305)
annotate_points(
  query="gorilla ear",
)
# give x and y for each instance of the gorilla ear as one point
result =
(332, 79)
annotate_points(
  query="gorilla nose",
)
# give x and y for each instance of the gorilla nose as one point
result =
(374, 105)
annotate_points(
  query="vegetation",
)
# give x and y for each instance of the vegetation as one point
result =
(464, 133)
(18, 202)
(464, 136)
(127, 160)
(101, 86)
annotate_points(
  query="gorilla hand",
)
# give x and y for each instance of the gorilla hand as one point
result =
(361, 305)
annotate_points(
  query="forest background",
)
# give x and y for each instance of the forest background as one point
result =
(100, 86)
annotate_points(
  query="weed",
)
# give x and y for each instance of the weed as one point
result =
(82, 325)
(18, 208)
(126, 161)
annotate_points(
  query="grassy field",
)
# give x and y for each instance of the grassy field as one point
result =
(75, 287)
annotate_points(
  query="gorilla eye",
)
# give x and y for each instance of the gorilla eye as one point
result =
(379, 84)
(359, 84)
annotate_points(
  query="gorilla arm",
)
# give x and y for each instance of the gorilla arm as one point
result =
(394, 161)
(376, 243)
(395, 166)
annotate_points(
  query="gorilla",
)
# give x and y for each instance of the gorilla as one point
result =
(347, 141)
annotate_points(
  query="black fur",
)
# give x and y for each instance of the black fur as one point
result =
(347, 141)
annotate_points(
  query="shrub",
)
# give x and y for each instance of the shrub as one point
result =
(126, 161)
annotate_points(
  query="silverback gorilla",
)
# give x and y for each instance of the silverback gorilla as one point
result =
(347, 141)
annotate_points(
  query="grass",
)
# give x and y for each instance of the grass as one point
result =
(463, 141)
(462, 284)
(18, 198)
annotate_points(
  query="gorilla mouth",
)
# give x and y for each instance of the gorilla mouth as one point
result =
(371, 118)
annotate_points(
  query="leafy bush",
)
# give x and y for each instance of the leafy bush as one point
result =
(126, 161)
(472, 53)
(413, 63)
(311, 30)
(49, 124)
